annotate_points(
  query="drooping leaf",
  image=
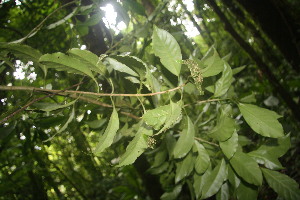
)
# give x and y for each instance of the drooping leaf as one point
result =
(173, 194)
(160, 156)
(283, 185)
(116, 65)
(185, 141)
(136, 147)
(229, 146)
(184, 168)
(90, 59)
(223, 84)
(266, 158)
(63, 62)
(134, 63)
(246, 191)
(246, 168)
(261, 120)
(47, 107)
(167, 49)
(108, 137)
(211, 63)
(215, 180)
(223, 193)
(22, 51)
(202, 161)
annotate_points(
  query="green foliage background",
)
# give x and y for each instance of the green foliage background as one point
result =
(148, 113)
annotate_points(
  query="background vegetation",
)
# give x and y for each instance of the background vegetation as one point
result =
(149, 99)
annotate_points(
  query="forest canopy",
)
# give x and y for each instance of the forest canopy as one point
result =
(149, 99)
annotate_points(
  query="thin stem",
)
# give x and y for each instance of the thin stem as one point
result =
(38, 27)
(25, 88)
(33, 101)
(205, 141)
(198, 102)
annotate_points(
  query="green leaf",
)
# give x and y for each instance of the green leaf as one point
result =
(134, 63)
(157, 117)
(136, 147)
(167, 49)
(224, 129)
(246, 168)
(233, 178)
(63, 62)
(229, 146)
(185, 141)
(268, 153)
(160, 156)
(90, 59)
(167, 115)
(261, 120)
(223, 84)
(238, 69)
(202, 161)
(22, 51)
(116, 65)
(286, 187)
(199, 182)
(223, 193)
(211, 63)
(47, 107)
(215, 180)
(246, 191)
(184, 168)
(173, 194)
(108, 137)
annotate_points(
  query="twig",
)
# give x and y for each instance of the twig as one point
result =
(205, 141)
(36, 29)
(2, 87)
(198, 102)
(33, 101)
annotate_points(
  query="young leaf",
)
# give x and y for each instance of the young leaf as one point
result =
(107, 138)
(136, 147)
(215, 180)
(229, 146)
(202, 161)
(185, 141)
(184, 168)
(223, 84)
(174, 116)
(262, 121)
(246, 191)
(246, 168)
(285, 187)
(157, 117)
(116, 65)
(167, 49)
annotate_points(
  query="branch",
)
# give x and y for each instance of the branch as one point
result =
(33, 101)
(25, 88)
(39, 26)
(205, 141)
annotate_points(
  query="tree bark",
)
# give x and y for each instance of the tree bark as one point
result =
(278, 88)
